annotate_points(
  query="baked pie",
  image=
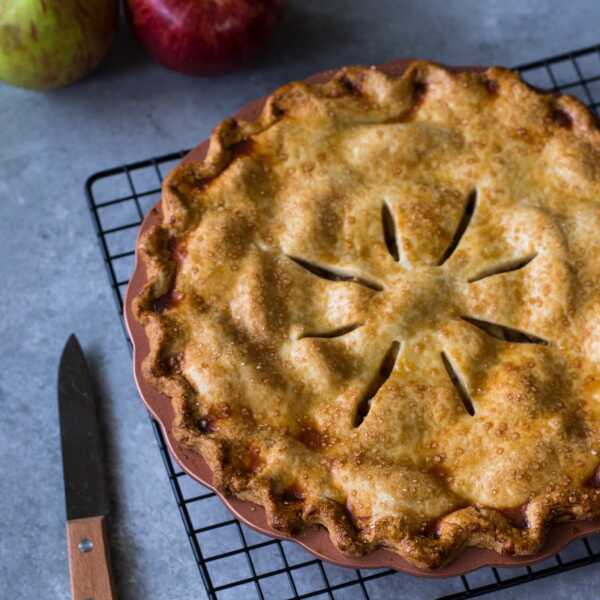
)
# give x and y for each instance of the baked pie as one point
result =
(377, 308)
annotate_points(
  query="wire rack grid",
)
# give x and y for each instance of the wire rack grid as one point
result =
(233, 560)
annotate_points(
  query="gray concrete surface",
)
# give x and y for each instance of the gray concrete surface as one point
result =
(53, 282)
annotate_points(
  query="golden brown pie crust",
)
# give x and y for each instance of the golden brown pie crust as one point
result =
(377, 308)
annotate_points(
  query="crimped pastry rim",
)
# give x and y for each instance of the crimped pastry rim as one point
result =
(315, 540)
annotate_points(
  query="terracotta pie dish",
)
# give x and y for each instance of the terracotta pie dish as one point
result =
(315, 539)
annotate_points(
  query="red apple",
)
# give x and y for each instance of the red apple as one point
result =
(203, 37)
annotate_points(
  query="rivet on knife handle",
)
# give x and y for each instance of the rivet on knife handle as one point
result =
(89, 562)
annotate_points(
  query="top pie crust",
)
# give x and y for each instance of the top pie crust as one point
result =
(377, 308)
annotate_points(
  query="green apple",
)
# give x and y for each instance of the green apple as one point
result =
(50, 43)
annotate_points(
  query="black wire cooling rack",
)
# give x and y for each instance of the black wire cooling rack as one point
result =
(233, 560)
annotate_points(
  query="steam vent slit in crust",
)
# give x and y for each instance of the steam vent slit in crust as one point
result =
(377, 308)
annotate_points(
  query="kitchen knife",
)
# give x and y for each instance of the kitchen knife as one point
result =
(86, 494)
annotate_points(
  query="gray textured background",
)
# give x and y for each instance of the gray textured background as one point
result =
(53, 282)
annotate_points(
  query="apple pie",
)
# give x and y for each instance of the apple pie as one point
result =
(376, 308)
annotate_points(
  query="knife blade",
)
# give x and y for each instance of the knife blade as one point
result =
(86, 494)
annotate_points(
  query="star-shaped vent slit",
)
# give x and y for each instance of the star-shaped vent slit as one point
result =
(504, 333)
(333, 333)
(459, 385)
(336, 274)
(506, 267)
(389, 232)
(383, 374)
(462, 227)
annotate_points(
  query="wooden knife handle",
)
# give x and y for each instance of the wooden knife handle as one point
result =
(89, 562)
